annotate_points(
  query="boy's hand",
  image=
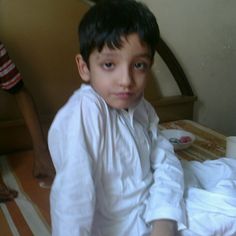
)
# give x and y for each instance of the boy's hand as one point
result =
(164, 228)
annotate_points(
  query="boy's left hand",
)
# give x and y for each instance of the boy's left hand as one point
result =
(164, 228)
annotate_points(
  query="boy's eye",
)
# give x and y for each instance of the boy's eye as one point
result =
(108, 65)
(141, 66)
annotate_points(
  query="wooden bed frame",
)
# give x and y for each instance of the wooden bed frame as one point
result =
(14, 135)
(174, 107)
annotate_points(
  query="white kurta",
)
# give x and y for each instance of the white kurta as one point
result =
(114, 173)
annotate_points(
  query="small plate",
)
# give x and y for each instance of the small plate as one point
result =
(180, 139)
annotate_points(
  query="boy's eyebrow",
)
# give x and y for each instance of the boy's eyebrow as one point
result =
(112, 54)
(147, 55)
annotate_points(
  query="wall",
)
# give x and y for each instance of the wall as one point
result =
(202, 34)
(41, 38)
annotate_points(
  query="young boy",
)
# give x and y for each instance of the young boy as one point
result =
(115, 174)
(11, 81)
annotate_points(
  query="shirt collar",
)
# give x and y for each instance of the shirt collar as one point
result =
(134, 112)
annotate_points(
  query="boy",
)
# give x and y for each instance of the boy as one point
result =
(114, 175)
(11, 81)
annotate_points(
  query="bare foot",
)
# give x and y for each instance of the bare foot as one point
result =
(6, 194)
(43, 167)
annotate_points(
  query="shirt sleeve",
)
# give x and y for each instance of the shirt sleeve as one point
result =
(74, 138)
(10, 77)
(166, 193)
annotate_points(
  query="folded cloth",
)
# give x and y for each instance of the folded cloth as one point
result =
(210, 197)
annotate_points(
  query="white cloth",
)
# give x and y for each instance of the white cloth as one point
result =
(114, 173)
(210, 197)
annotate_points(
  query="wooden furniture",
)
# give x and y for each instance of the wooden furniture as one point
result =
(180, 106)
(14, 135)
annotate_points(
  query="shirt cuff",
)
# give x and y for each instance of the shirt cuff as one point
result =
(169, 213)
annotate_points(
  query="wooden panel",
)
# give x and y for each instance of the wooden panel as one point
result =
(174, 107)
(14, 135)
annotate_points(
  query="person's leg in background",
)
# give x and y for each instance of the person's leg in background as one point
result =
(11, 81)
(43, 167)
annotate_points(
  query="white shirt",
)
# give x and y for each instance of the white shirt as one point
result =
(114, 173)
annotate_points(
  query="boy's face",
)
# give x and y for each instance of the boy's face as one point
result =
(118, 75)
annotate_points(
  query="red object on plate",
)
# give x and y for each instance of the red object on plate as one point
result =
(185, 139)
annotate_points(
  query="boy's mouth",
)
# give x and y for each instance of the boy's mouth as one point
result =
(124, 95)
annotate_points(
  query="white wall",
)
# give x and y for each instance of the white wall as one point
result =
(202, 34)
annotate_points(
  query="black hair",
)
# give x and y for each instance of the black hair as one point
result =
(108, 21)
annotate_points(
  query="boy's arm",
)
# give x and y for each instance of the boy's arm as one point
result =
(164, 228)
(72, 197)
(166, 193)
(74, 142)
(165, 200)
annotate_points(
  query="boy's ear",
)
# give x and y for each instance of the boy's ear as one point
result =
(82, 68)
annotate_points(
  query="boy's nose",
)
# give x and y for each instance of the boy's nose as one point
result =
(125, 78)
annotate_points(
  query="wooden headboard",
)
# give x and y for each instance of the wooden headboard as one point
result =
(180, 106)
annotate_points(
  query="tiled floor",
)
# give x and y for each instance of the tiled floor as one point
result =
(29, 213)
